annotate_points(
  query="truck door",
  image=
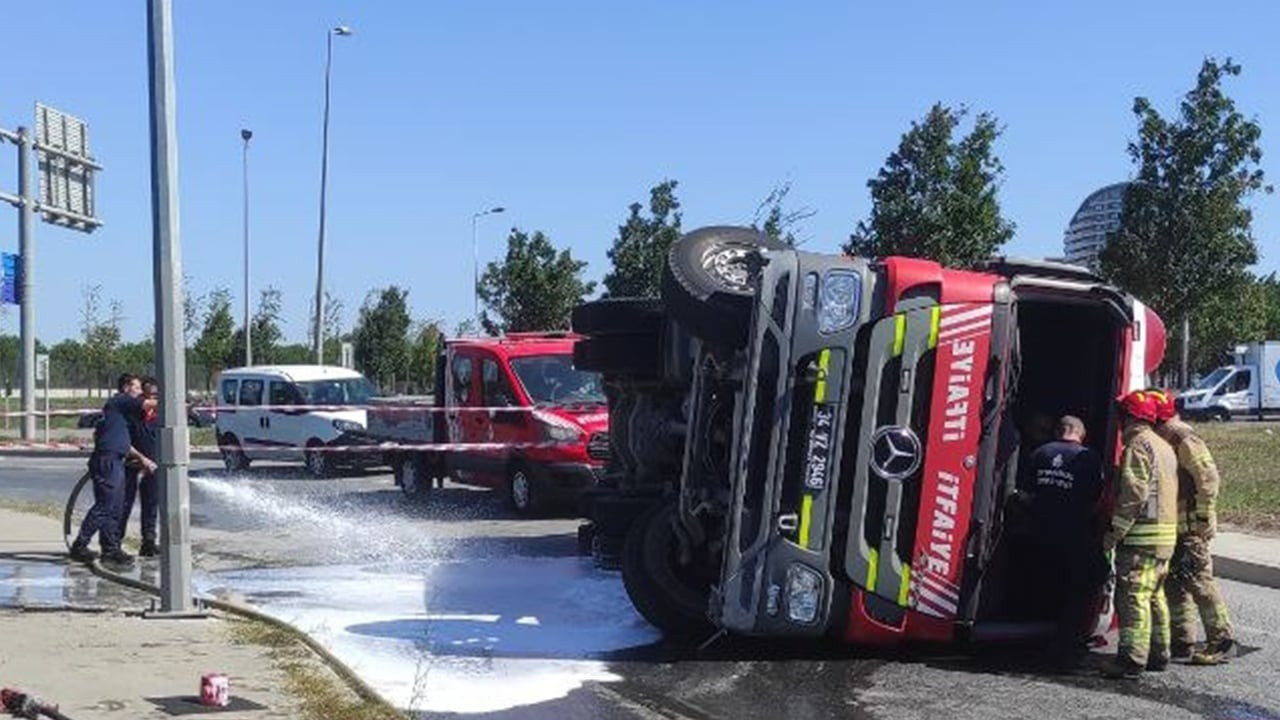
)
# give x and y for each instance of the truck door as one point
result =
(462, 396)
(1239, 393)
(252, 420)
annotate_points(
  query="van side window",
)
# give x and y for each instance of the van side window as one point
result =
(461, 379)
(283, 393)
(1242, 380)
(229, 390)
(250, 392)
(497, 393)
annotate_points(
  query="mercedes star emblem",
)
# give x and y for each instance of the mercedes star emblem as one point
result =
(895, 452)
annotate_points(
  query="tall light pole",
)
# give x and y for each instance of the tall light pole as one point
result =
(475, 258)
(245, 135)
(341, 31)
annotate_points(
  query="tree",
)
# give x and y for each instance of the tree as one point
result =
(381, 336)
(423, 354)
(1185, 230)
(1271, 294)
(190, 313)
(935, 197)
(100, 335)
(640, 251)
(333, 310)
(774, 221)
(295, 354)
(534, 288)
(67, 361)
(214, 347)
(138, 358)
(1231, 316)
(266, 331)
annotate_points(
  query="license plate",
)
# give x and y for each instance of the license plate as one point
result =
(818, 454)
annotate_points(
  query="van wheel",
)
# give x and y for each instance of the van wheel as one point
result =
(709, 281)
(412, 478)
(317, 460)
(1219, 415)
(670, 595)
(233, 457)
(523, 492)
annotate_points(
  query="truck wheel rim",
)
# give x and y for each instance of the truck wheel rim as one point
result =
(727, 264)
(520, 490)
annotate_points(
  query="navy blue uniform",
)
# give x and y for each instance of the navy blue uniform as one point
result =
(144, 433)
(1066, 564)
(111, 443)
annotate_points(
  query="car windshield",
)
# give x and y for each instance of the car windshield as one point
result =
(346, 391)
(552, 379)
(1212, 379)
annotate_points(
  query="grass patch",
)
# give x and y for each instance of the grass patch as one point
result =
(321, 695)
(43, 509)
(1248, 458)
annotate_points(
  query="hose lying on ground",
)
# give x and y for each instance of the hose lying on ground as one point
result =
(355, 682)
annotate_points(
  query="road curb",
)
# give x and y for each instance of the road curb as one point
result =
(1244, 571)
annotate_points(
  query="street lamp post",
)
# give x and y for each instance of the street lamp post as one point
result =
(245, 135)
(475, 258)
(341, 31)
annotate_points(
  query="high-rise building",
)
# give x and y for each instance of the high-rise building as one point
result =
(1087, 232)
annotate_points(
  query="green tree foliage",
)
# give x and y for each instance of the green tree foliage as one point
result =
(213, 348)
(267, 332)
(138, 358)
(1185, 234)
(100, 334)
(296, 354)
(10, 362)
(428, 341)
(1271, 292)
(381, 337)
(639, 251)
(935, 197)
(1237, 313)
(534, 288)
(333, 328)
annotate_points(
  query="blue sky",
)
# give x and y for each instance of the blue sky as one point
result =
(566, 112)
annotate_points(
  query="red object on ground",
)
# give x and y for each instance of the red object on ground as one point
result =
(215, 690)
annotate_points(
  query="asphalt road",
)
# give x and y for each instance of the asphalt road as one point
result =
(259, 532)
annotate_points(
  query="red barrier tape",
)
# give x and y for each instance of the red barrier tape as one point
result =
(387, 409)
(372, 448)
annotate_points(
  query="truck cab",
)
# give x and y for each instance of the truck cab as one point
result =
(1251, 386)
(849, 434)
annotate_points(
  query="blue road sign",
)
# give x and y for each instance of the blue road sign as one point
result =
(11, 280)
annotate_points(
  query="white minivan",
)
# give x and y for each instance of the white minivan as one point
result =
(292, 412)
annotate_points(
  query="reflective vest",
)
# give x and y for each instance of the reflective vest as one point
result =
(1146, 509)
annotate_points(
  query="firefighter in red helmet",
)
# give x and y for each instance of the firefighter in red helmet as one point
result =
(1142, 534)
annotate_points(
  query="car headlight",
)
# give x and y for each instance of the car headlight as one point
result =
(556, 428)
(347, 426)
(804, 594)
(838, 299)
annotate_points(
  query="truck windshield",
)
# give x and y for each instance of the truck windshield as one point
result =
(552, 380)
(347, 391)
(1212, 379)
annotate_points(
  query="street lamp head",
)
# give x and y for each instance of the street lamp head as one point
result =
(342, 30)
(246, 133)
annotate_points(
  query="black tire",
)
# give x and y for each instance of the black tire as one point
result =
(317, 461)
(413, 477)
(1219, 415)
(660, 590)
(233, 457)
(619, 315)
(524, 493)
(634, 355)
(707, 285)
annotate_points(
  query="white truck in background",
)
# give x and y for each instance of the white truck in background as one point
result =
(1250, 387)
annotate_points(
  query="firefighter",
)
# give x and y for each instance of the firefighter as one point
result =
(1190, 585)
(1142, 534)
(140, 485)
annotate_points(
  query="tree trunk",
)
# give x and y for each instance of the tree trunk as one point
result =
(1186, 350)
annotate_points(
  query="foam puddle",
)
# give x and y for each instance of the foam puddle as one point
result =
(431, 627)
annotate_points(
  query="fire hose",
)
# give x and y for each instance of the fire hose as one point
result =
(361, 688)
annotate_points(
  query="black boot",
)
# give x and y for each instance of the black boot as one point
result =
(1122, 669)
(148, 549)
(1158, 662)
(1181, 650)
(80, 552)
(117, 560)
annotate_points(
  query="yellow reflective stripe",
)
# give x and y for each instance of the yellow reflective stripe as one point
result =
(1121, 524)
(934, 319)
(904, 585)
(899, 334)
(820, 387)
(806, 518)
(1151, 528)
(873, 569)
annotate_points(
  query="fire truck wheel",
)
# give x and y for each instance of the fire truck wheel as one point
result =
(413, 478)
(633, 355)
(670, 596)
(709, 281)
(618, 315)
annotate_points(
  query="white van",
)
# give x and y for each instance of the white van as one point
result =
(1249, 387)
(292, 412)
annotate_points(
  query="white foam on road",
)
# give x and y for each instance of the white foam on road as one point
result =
(468, 635)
